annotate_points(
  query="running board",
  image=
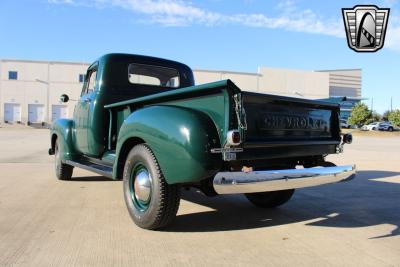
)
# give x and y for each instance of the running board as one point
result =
(93, 167)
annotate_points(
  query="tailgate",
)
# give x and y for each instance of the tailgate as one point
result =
(284, 120)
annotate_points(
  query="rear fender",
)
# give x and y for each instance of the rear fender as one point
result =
(181, 139)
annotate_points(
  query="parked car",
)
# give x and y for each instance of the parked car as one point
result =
(141, 119)
(373, 126)
(381, 126)
(344, 124)
(386, 126)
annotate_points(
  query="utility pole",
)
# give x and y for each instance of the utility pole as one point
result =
(372, 104)
(391, 104)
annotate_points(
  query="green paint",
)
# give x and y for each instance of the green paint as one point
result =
(180, 138)
(180, 125)
(62, 130)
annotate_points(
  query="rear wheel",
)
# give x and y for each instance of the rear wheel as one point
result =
(152, 203)
(63, 171)
(270, 199)
(319, 164)
(390, 129)
(327, 164)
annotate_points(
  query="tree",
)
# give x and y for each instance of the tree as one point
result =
(394, 117)
(376, 116)
(360, 115)
(386, 114)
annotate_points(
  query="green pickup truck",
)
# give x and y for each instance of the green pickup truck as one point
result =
(141, 119)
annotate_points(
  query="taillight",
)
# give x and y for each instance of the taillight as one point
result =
(347, 138)
(233, 138)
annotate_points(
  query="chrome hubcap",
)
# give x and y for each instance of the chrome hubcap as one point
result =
(142, 186)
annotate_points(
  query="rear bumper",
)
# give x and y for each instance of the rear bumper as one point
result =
(263, 181)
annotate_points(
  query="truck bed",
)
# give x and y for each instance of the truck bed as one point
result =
(277, 126)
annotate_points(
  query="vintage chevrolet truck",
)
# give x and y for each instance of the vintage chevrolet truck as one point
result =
(141, 119)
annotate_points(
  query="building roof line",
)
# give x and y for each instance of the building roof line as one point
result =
(337, 70)
(43, 61)
(351, 97)
(229, 71)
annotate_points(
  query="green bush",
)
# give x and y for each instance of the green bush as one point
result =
(394, 117)
(360, 115)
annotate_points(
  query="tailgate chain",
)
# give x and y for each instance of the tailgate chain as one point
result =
(240, 112)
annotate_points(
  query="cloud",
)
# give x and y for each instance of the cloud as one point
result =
(184, 13)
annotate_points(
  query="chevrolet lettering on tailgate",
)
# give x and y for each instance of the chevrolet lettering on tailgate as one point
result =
(292, 122)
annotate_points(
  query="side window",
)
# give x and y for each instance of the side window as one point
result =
(90, 84)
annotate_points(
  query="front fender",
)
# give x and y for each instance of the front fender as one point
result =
(181, 139)
(62, 129)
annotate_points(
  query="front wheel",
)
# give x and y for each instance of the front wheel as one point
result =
(152, 203)
(270, 199)
(63, 171)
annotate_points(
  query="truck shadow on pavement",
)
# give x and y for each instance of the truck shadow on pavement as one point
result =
(361, 202)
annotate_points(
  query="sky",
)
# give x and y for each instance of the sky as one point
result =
(236, 35)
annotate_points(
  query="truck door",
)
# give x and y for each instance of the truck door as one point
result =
(82, 109)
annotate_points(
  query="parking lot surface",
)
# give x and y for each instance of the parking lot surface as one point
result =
(84, 222)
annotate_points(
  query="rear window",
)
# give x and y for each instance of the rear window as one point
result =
(153, 75)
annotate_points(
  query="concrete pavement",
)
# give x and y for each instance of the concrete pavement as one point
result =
(84, 222)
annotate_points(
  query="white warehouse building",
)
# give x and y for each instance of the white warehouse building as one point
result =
(30, 90)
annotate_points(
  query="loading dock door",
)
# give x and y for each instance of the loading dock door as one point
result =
(59, 112)
(12, 112)
(36, 113)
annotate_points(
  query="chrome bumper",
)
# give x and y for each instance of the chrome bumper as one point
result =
(263, 181)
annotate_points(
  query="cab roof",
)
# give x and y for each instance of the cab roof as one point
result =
(116, 64)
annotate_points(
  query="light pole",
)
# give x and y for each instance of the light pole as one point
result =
(48, 97)
(391, 104)
(372, 104)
